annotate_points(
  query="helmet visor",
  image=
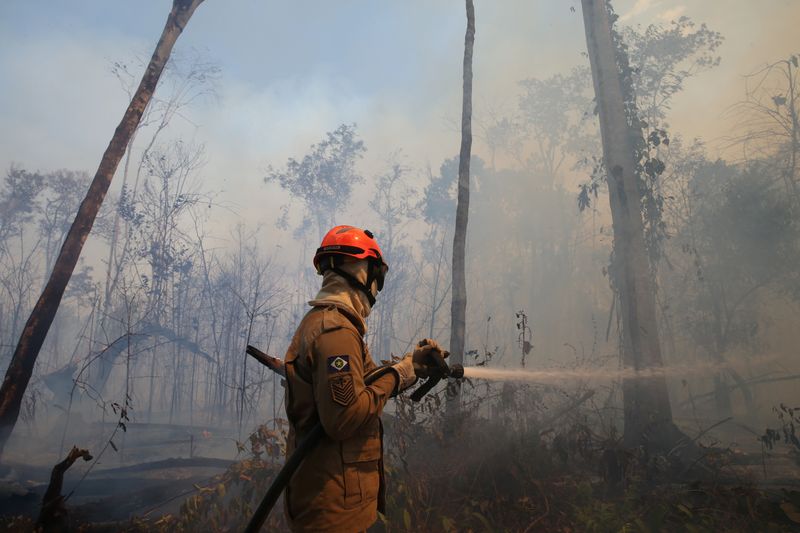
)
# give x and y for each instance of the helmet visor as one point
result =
(379, 270)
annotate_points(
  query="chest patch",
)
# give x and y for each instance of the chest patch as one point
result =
(338, 363)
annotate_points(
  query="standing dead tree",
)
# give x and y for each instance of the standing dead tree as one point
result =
(53, 516)
(647, 410)
(30, 342)
(458, 306)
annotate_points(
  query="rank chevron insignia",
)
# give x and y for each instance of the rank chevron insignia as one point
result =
(342, 389)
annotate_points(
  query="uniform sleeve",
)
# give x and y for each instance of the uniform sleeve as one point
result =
(344, 403)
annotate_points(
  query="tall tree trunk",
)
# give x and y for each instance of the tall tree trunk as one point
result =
(647, 411)
(458, 306)
(795, 142)
(30, 342)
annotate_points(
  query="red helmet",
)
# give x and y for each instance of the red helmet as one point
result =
(354, 242)
(349, 241)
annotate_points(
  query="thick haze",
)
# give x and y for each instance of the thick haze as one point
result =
(198, 255)
(291, 71)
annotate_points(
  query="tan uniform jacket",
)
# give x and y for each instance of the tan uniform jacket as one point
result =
(339, 487)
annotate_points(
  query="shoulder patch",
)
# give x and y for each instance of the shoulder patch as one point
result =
(338, 363)
(342, 390)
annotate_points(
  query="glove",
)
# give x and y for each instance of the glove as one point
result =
(404, 369)
(429, 359)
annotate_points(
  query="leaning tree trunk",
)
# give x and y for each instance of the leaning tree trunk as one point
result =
(647, 411)
(30, 342)
(458, 306)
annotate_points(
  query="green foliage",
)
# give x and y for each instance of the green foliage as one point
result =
(654, 63)
(664, 57)
(323, 179)
(438, 203)
(649, 166)
(747, 225)
(556, 115)
(740, 240)
(19, 200)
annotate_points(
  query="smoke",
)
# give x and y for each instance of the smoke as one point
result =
(603, 374)
(397, 74)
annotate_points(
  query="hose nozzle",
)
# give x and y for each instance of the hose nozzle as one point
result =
(453, 371)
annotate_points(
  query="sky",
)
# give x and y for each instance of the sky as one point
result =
(291, 71)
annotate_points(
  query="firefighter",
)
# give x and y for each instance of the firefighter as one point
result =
(340, 485)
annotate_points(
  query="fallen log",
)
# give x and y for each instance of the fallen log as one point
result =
(193, 462)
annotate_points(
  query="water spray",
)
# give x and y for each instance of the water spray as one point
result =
(596, 374)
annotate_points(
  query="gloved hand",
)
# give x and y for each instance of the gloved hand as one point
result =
(429, 359)
(404, 369)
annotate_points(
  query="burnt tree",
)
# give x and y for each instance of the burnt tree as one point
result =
(647, 410)
(53, 515)
(33, 335)
(458, 306)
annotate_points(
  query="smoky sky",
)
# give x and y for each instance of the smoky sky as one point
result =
(291, 71)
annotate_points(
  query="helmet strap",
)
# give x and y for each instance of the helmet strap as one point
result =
(356, 284)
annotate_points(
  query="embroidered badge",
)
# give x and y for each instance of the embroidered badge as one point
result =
(338, 363)
(342, 390)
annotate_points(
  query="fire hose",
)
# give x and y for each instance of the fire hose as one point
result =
(318, 432)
